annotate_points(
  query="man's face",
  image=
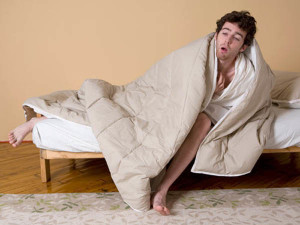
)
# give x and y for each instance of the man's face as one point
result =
(230, 41)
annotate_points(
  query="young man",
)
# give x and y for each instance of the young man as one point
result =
(235, 31)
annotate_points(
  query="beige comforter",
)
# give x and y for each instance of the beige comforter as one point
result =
(141, 125)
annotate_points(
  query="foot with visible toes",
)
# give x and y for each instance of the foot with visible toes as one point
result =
(158, 202)
(16, 136)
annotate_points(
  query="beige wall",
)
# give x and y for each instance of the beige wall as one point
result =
(55, 44)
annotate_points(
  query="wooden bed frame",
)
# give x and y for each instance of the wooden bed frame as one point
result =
(46, 155)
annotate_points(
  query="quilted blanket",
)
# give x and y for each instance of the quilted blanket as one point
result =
(140, 125)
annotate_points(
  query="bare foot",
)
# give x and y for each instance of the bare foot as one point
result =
(16, 136)
(158, 201)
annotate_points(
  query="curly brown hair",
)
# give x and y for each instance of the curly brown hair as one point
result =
(245, 22)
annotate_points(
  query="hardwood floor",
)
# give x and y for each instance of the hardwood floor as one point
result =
(20, 173)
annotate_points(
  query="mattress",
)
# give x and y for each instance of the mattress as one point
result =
(285, 130)
(62, 135)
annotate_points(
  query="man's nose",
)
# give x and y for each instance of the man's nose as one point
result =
(228, 40)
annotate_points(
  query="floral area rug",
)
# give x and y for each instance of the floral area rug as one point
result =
(239, 206)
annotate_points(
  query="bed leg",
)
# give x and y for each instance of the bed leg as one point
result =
(45, 170)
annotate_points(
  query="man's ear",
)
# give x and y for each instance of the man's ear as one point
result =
(243, 48)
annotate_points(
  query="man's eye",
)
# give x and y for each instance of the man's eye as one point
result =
(237, 39)
(225, 34)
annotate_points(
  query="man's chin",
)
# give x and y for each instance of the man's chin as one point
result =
(222, 57)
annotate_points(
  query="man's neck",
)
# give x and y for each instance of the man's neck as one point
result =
(226, 66)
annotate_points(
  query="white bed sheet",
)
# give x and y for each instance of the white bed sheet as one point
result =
(63, 135)
(285, 130)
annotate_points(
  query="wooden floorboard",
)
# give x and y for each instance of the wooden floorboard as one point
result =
(20, 173)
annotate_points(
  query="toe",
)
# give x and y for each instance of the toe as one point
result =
(13, 140)
(167, 211)
(18, 142)
(162, 210)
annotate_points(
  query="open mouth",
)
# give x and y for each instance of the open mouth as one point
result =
(224, 49)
